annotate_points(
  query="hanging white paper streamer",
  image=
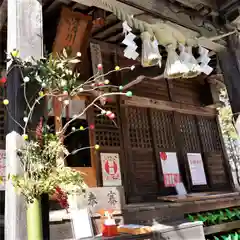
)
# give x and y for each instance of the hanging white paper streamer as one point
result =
(130, 51)
(189, 61)
(204, 60)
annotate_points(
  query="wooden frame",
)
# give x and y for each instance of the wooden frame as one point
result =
(169, 106)
(89, 173)
(182, 157)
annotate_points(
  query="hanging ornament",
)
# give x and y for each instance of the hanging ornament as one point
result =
(130, 51)
(3, 80)
(174, 67)
(187, 58)
(204, 61)
(150, 52)
(98, 93)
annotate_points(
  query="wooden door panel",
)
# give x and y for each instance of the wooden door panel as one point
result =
(89, 175)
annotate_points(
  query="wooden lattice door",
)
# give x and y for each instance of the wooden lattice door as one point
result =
(189, 142)
(163, 134)
(141, 157)
(213, 153)
(150, 131)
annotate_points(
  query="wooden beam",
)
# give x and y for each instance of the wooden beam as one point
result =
(98, 3)
(168, 106)
(3, 14)
(52, 7)
(109, 47)
(154, 10)
(196, 3)
(170, 12)
(139, 79)
(115, 38)
(110, 30)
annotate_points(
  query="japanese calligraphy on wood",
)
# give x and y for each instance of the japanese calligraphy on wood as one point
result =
(73, 31)
(96, 57)
(107, 198)
(102, 198)
(111, 173)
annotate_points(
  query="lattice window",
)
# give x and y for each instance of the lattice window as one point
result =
(107, 138)
(209, 134)
(103, 121)
(139, 129)
(162, 123)
(189, 133)
(107, 132)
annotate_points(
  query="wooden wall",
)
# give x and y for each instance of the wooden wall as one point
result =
(143, 132)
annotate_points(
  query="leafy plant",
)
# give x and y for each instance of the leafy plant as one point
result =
(43, 155)
(43, 172)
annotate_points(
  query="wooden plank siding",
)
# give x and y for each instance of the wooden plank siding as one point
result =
(142, 131)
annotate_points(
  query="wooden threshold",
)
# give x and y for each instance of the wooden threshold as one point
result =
(198, 196)
(223, 227)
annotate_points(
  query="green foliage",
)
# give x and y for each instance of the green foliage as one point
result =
(42, 173)
(226, 236)
(216, 217)
(226, 116)
(54, 74)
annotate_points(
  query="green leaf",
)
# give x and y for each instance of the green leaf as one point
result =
(229, 214)
(201, 218)
(234, 236)
(191, 218)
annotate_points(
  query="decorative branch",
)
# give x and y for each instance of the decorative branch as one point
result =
(43, 157)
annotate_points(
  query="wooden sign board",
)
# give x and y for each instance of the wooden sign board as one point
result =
(72, 32)
(100, 198)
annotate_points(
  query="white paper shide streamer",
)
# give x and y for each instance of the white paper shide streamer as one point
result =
(187, 58)
(204, 60)
(130, 51)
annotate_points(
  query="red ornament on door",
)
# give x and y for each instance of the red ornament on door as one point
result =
(163, 156)
(111, 169)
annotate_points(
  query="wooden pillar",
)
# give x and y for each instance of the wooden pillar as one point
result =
(230, 65)
(216, 84)
(24, 34)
